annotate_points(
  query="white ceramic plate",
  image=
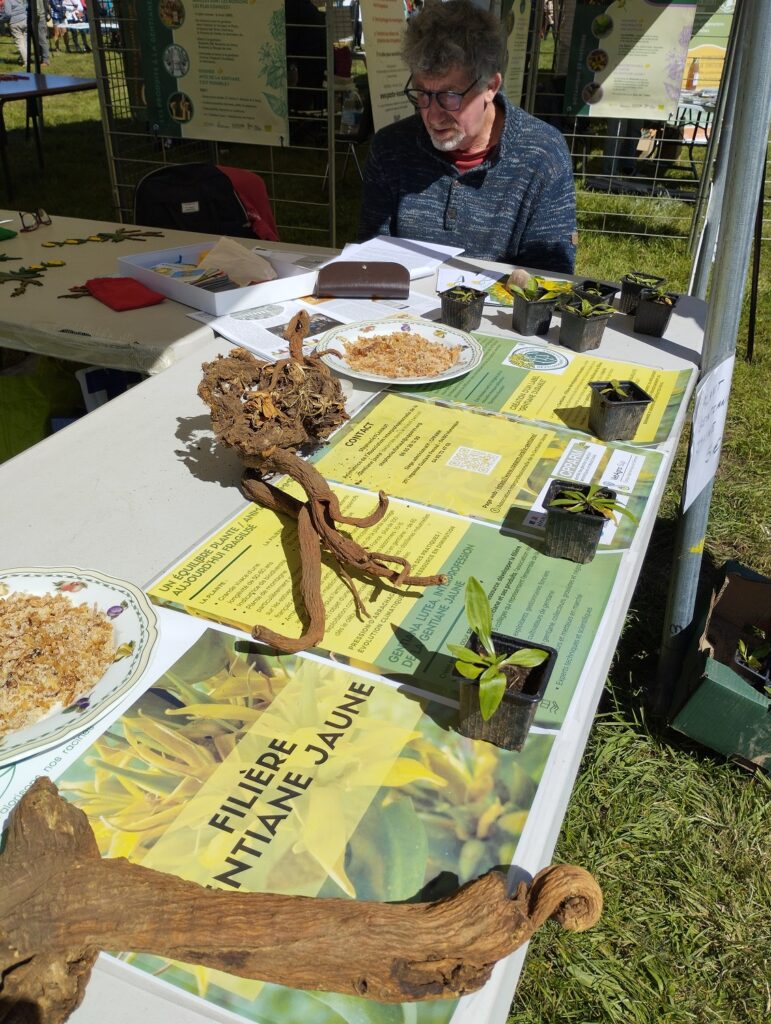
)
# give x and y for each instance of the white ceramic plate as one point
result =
(470, 353)
(134, 633)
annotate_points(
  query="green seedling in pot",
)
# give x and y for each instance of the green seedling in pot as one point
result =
(591, 290)
(488, 666)
(644, 280)
(593, 501)
(615, 389)
(755, 655)
(584, 308)
(531, 288)
(659, 294)
(461, 293)
(535, 292)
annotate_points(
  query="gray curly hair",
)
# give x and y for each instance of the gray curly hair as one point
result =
(455, 34)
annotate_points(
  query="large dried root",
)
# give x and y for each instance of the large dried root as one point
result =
(60, 904)
(266, 411)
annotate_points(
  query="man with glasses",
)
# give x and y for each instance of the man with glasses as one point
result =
(469, 169)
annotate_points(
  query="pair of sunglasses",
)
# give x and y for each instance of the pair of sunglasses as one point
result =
(32, 221)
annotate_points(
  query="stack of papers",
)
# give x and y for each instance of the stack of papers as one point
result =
(420, 258)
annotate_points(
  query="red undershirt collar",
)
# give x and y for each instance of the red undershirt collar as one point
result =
(467, 161)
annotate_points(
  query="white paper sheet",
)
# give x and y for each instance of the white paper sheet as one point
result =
(261, 329)
(420, 258)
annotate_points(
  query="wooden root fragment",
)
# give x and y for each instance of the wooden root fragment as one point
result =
(316, 519)
(265, 411)
(60, 904)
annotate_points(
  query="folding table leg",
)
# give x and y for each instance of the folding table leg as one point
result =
(4, 155)
(34, 113)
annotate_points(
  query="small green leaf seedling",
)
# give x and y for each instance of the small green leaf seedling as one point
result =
(593, 501)
(659, 294)
(487, 666)
(584, 308)
(644, 280)
(616, 389)
(755, 655)
(461, 293)
(530, 288)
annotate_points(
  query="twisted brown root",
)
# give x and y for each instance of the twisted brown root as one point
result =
(265, 411)
(568, 894)
(61, 903)
(318, 515)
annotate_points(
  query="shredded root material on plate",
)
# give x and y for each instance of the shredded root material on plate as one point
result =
(51, 653)
(400, 354)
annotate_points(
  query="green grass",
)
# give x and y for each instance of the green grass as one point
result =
(73, 146)
(680, 848)
(677, 839)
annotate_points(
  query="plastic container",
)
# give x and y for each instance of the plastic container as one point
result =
(630, 290)
(509, 725)
(465, 314)
(760, 678)
(613, 419)
(533, 317)
(572, 535)
(352, 111)
(653, 317)
(582, 333)
(586, 289)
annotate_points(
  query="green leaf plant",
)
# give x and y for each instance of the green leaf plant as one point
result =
(659, 294)
(592, 501)
(755, 655)
(487, 666)
(646, 280)
(584, 308)
(531, 287)
(461, 293)
(616, 389)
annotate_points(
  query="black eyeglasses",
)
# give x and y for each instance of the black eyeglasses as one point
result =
(32, 221)
(448, 99)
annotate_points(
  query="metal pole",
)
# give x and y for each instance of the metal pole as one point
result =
(721, 139)
(744, 169)
(755, 277)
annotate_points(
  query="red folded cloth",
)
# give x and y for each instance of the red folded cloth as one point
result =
(121, 293)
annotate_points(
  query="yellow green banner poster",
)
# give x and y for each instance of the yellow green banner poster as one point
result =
(627, 57)
(214, 69)
(550, 385)
(515, 18)
(257, 773)
(248, 572)
(473, 464)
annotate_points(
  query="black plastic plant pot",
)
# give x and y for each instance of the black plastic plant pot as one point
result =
(630, 290)
(463, 313)
(760, 678)
(616, 419)
(652, 317)
(532, 317)
(595, 292)
(508, 727)
(572, 535)
(581, 333)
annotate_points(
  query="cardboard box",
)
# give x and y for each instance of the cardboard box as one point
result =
(291, 283)
(717, 706)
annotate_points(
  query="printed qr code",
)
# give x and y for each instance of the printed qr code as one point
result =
(473, 460)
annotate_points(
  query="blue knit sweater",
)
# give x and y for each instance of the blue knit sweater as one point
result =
(519, 206)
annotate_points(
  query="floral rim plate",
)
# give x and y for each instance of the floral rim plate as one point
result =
(135, 633)
(469, 357)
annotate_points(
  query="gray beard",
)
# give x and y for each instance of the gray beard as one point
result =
(445, 145)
